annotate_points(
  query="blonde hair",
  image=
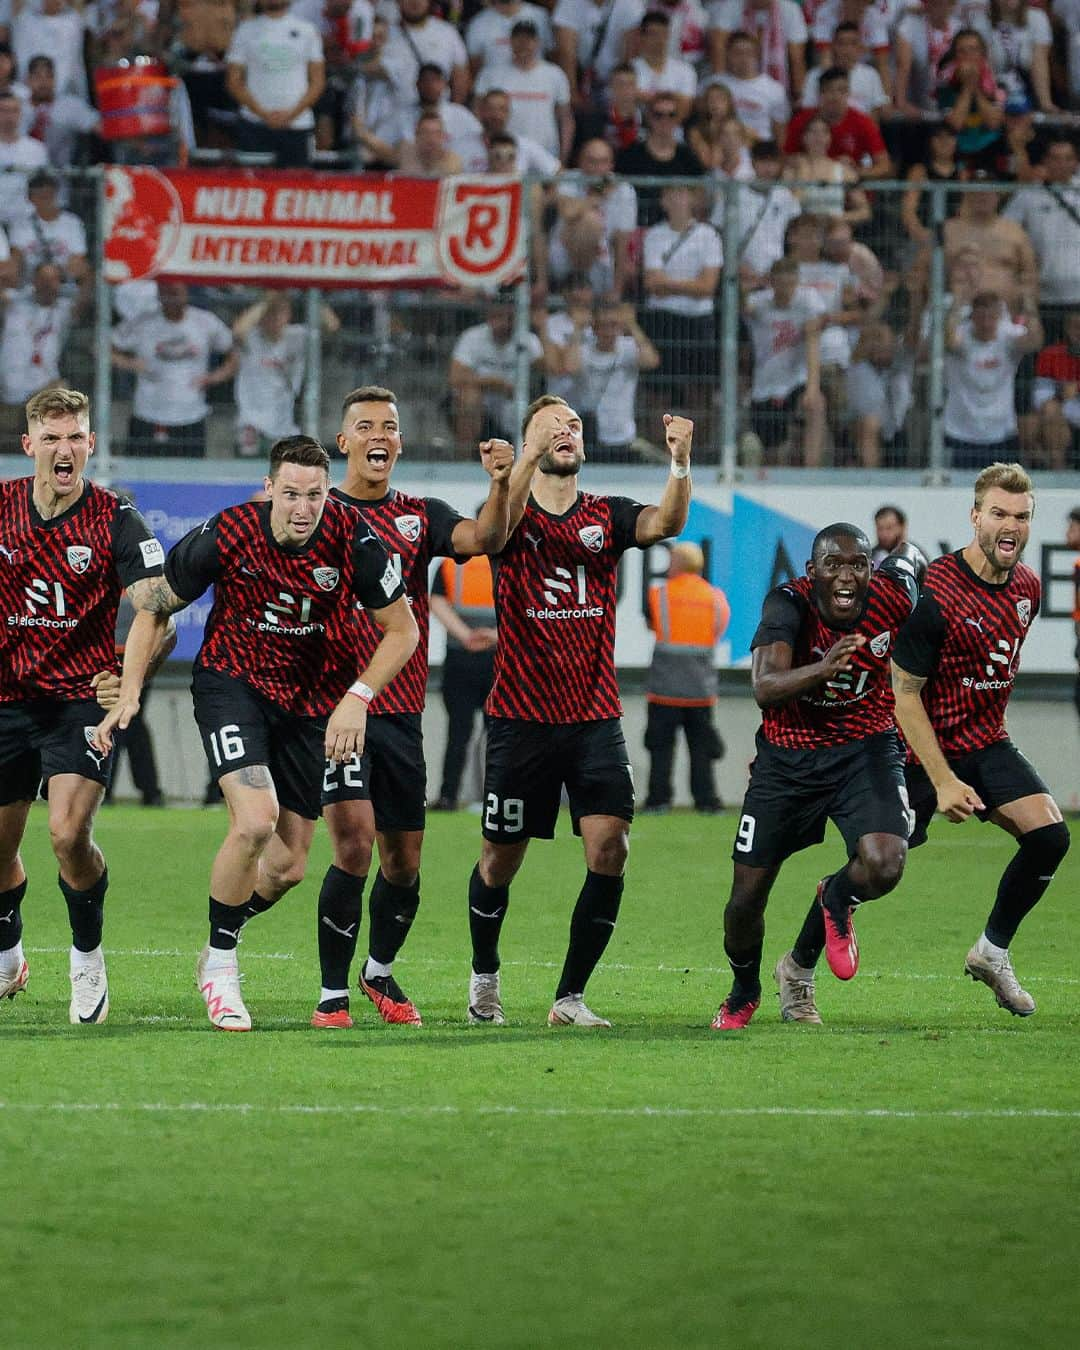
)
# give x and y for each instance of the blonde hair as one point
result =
(1007, 477)
(57, 403)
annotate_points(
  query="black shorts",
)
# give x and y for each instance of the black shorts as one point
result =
(240, 727)
(45, 737)
(793, 793)
(390, 774)
(529, 763)
(999, 774)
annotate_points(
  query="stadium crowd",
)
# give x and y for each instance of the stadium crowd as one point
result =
(788, 114)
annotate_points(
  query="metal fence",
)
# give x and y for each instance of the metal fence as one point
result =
(667, 312)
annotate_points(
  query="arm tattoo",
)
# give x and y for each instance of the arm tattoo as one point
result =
(156, 595)
(903, 683)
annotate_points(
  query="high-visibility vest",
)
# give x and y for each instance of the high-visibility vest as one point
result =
(468, 588)
(683, 616)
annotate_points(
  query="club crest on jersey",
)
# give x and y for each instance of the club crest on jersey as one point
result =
(880, 644)
(408, 527)
(592, 536)
(1023, 611)
(326, 578)
(78, 556)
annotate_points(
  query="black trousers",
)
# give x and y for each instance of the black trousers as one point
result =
(466, 683)
(703, 743)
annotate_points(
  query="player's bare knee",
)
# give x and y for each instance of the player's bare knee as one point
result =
(353, 856)
(883, 860)
(288, 872)
(608, 855)
(499, 864)
(253, 831)
(71, 840)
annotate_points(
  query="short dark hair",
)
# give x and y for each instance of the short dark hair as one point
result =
(848, 26)
(544, 401)
(1074, 514)
(741, 35)
(36, 62)
(842, 529)
(303, 450)
(888, 510)
(368, 393)
(766, 149)
(833, 75)
(430, 68)
(654, 19)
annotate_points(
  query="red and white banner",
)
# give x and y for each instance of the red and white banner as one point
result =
(311, 229)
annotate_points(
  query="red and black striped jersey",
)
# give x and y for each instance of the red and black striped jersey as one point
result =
(283, 618)
(60, 586)
(856, 702)
(413, 530)
(555, 602)
(964, 639)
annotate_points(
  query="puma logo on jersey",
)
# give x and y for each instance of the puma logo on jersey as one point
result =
(975, 623)
(9, 553)
(533, 539)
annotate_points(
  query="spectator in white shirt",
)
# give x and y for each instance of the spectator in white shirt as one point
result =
(659, 73)
(1050, 215)
(1056, 398)
(272, 364)
(16, 150)
(603, 363)
(55, 29)
(538, 90)
(923, 38)
(761, 102)
(493, 112)
(872, 19)
(170, 352)
(866, 90)
(681, 265)
(420, 38)
(374, 105)
(592, 37)
(878, 393)
(1019, 42)
(8, 83)
(56, 120)
(982, 354)
(784, 323)
(36, 324)
(464, 134)
(276, 73)
(46, 234)
(487, 37)
(483, 374)
(779, 26)
(765, 208)
(597, 219)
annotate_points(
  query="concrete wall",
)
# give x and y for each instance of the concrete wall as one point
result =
(1047, 732)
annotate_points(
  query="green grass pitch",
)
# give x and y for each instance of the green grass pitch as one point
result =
(904, 1176)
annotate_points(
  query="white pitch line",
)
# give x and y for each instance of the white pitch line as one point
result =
(585, 1112)
(162, 951)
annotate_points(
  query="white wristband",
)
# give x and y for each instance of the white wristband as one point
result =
(680, 470)
(361, 690)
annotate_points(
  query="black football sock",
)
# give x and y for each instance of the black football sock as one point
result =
(745, 966)
(11, 916)
(341, 900)
(393, 909)
(225, 924)
(811, 940)
(487, 910)
(257, 905)
(86, 911)
(841, 893)
(1025, 880)
(591, 926)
